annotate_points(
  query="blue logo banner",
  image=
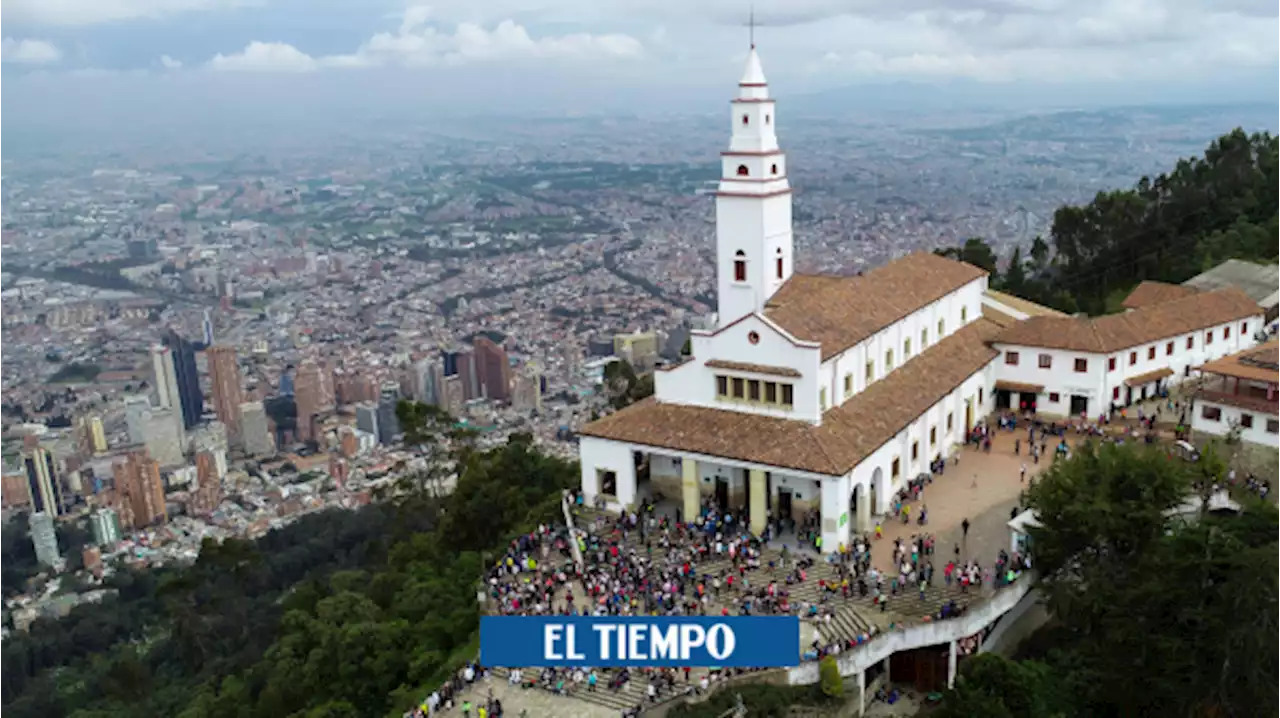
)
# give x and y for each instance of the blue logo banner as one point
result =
(640, 641)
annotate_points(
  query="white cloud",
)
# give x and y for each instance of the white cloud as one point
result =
(985, 39)
(29, 52)
(416, 43)
(169, 63)
(78, 13)
(265, 57)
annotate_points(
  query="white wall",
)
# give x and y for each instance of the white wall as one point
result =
(602, 454)
(966, 301)
(1061, 377)
(759, 227)
(980, 615)
(1100, 384)
(900, 446)
(1257, 434)
(692, 383)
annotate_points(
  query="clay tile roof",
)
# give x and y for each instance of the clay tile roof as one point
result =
(1261, 363)
(839, 312)
(753, 368)
(1150, 292)
(1151, 323)
(849, 433)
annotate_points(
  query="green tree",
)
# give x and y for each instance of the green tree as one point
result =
(1146, 598)
(992, 686)
(829, 678)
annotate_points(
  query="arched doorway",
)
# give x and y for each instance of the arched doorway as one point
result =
(860, 508)
(879, 488)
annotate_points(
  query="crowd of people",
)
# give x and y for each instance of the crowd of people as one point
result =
(642, 562)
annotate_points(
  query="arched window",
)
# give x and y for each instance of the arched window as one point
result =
(773, 169)
(779, 263)
(746, 120)
(740, 266)
(766, 119)
(742, 170)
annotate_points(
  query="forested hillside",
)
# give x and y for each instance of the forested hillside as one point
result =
(1152, 615)
(340, 614)
(1168, 228)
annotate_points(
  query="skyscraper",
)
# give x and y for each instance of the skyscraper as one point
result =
(44, 537)
(43, 484)
(309, 395)
(105, 524)
(493, 370)
(211, 467)
(136, 410)
(388, 423)
(207, 326)
(367, 418)
(139, 486)
(190, 400)
(165, 439)
(255, 434)
(164, 377)
(224, 375)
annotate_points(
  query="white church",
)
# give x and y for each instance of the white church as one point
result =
(831, 392)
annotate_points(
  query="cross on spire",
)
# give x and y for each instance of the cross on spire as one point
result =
(751, 27)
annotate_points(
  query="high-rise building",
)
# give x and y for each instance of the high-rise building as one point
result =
(136, 409)
(224, 375)
(187, 377)
(367, 418)
(91, 436)
(388, 423)
(493, 370)
(423, 375)
(98, 435)
(211, 468)
(207, 326)
(165, 440)
(527, 394)
(338, 470)
(309, 388)
(454, 395)
(44, 537)
(139, 485)
(164, 378)
(43, 484)
(105, 524)
(255, 434)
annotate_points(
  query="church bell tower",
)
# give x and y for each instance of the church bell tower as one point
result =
(753, 203)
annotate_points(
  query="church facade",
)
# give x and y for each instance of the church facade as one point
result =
(823, 393)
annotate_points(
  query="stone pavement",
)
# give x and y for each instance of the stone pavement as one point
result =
(537, 702)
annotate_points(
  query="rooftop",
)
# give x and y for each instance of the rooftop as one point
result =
(839, 312)
(1259, 281)
(1149, 292)
(1103, 335)
(1261, 363)
(848, 434)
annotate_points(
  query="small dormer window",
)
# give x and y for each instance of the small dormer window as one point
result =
(746, 120)
(743, 171)
(740, 266)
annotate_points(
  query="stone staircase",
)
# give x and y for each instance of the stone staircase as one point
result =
(632, 693)
(854, 617)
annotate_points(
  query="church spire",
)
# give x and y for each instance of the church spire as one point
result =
(753, 202)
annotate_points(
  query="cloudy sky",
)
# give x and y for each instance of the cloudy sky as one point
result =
(490, 55)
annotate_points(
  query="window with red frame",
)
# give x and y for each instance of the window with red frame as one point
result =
(1011, 358)
(1151, 353)
(1082, 365)
(1191, 342)
(1168, 349)
(1208, 337)
(1115, 393)
(1111, 364)
(1133, 358)
(1046, 361)
(740, 266)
